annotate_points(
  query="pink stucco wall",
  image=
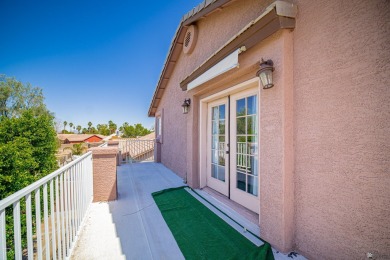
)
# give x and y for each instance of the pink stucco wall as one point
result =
(174, 150)
(341, 129)
(324, 155)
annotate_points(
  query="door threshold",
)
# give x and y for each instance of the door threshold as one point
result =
(233, 209)
(246, 213)
(230, 216)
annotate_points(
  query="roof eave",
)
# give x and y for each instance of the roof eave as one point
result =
(199, 12)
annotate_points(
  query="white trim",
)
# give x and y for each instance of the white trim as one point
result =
(159, 128)
(242, 197)
(234, 89)
(226, 64)
(221, 187)
(254, 82)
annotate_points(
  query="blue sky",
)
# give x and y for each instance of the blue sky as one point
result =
(95, 60)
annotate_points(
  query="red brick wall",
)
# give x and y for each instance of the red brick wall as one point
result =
(104, 173)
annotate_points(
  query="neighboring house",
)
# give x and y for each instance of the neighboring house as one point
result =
(309, 155)
(80, 138)
(138, 149)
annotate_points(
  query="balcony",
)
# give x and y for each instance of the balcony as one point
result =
(72, 226)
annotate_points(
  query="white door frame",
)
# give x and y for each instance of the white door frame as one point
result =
(244, 198)
(255, 82)
(218, 185)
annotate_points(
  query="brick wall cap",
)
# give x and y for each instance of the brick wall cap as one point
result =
(103, 150)
(113, 143)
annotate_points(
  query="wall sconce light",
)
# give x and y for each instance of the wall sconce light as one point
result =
(186, 105)
(265, 73)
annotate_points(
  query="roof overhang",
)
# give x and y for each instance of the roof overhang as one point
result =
(204, 9)
(277, 16)
(272, 20)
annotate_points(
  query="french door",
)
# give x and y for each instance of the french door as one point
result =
(232, 148)
(217, 142)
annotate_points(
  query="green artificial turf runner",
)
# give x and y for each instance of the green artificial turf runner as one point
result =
(200, 233)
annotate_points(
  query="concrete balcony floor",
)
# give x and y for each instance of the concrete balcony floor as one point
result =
(132, 227)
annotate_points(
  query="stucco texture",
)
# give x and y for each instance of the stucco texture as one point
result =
(324, 126)
(341, 129)
(174, 150)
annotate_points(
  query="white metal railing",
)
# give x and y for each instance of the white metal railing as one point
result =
(64, 209)
(137, 150)
(103, 144)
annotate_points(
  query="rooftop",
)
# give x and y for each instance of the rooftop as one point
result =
(132, 227)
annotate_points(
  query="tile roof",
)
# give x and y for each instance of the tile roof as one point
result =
(77, 137)
(205, 8)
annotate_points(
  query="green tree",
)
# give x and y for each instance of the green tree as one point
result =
(78, 149)
(103, 129)
(112, 126)
(16, 97)
(93, 130)
(71, 126)
(78, 128)
(89, 125)
(65, 123)
(35, 140)
(135, 130)
(28, 144)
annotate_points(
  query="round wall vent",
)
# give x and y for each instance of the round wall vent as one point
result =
(190, 39)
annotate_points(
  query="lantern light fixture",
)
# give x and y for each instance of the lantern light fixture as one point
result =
(186, 105)
(265, 73)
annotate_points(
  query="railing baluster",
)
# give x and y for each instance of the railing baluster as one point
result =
(86, 201)
(53, 225)
(79, 196)
(70, 204)
(30, 245)
(75, 192)
(68, 229)
(82, 192)
(38, 222)
(73, 204)
(82, 198)
(64, 209)
(62, 198)
(75, 198)
(46, 222)
(17, 234)
(58, 214)
(3, 239)
(90, 180)
(66, 192)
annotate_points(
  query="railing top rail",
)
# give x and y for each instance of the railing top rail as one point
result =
(27, 190)
(103, 144)
(136, 140)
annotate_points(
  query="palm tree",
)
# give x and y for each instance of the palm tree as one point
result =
(79, 128)
(65, 123)
(78, 149)
(112, 126)
(71, 125)
(89, 125)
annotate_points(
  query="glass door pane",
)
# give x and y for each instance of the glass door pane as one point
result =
(218, 150)
(247, 145)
